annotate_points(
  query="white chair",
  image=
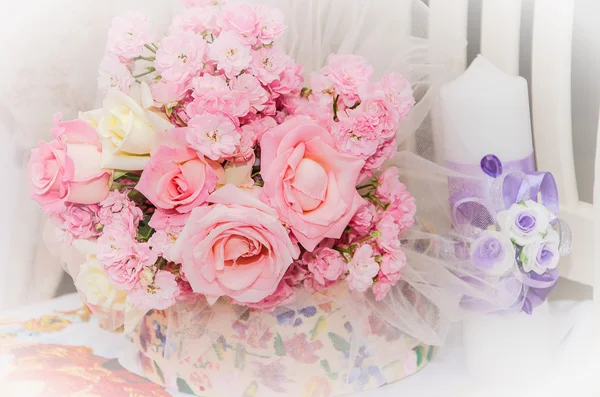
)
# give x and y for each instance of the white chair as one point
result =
(551, 47)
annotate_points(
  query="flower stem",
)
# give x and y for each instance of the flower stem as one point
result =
(141, 58)
(150, 48)
(150, 70)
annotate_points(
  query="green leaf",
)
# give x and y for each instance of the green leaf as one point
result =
(327, 368)
(183, 387)
(169, 111)
(522, 203)
(339, 343)
(419, 351)
(119, 174)
(159, 373)
(279, 346)
(252, 390)
(430, 353)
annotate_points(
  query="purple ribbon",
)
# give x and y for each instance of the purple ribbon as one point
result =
(493, 186)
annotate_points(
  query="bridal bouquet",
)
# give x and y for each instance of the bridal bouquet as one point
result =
(215, 170)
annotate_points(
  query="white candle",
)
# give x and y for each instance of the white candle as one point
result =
(486, 111)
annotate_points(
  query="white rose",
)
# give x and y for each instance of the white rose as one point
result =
(494, 253)
(127, 126)
(525, 223)
(542, 255)
(92, 281)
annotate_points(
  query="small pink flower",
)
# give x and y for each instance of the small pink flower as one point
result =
(230, 53)
(390, 232)
(399, 93)
(161, 295)
(283, 295)
(128, 34)
(114, 75)
(203, 3)
(118, 208)
(390, 188)
(349, 74)
(268, 64)
(289, 80)
(381, 289)
(125, 273)
(301, 350)
(196, 19)
(403, 210)
(116, 244)
(260, 126)
(378, 108)
(166, 93)
(213, 135)
(270, 24)
(391, 266)
(242, 20)
(363, 220)
(384, 152)
(251, 88)
(296, 274)
(180, 56)
(325, 264)
(212, 94)
(80, 221)
(317, 112)
(362, 269)
(357, 136)
(323, 89)
(161, 241)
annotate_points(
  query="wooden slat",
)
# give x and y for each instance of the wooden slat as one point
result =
(448, 22)
(501, 33)
(551, 94)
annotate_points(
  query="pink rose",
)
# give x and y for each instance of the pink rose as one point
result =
(283, 295)
(236, 248)
(180, 56)
(80, 221)
(160, 295)
(325, 264)
(177, 179)
(312, 185)
(362, 269)
(349, 75)
(68, 168)
(240, 19)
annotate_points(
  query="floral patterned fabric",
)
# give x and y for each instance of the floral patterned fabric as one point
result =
(308, 351)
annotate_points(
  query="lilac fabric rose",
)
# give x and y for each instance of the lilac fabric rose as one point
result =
(541, 256)
(493, 252)
(525, 222)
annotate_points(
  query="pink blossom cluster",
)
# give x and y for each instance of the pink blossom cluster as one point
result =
(363, 116)
(248, 186)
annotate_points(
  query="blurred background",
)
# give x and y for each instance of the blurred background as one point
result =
(51, 51)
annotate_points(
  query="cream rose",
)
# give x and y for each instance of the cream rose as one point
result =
(127, 126)
(92, 281)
